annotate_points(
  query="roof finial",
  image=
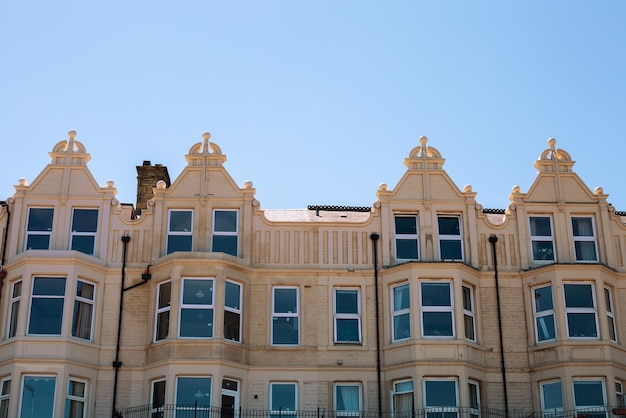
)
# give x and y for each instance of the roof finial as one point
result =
(71, 134)
(206, 136)
(423, 142)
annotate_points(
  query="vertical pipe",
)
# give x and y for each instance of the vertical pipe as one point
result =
(493, 239)
(374, 237)
(117, 364)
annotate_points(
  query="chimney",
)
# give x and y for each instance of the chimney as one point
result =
(147, 177)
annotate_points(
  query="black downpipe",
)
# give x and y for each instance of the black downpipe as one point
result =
(374, 237)
(493, 239)
(117, 364)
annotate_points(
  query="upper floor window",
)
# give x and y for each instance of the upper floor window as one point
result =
(589, 394)
(283, 399)
(179, 230)
(83, 310)
(39, 228)
(84, 228)
(441, 398)
(196, 309)
(162, 321)
(232, 311)
(347, 400)
(400, 313)
(551, 396)
(46, 306)
(468, 313)
(541, 238)
(225, 232)
(5, 397)
(437, 309)
(407, 238)
(580, 310)
(450, 239)
(610, 314)
(347, 316)
(76, 400)
(403, 401)
(16, 299)
(285, 316)
(543, 311)
(38, 394)
(584, 239)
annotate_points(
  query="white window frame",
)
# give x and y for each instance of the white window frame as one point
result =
(599, 408)
(347, 412)
(450, 237)
(395, 313)
(24, 388)
(204, 404)
(541, 316)
(397, 391)
(289, 315)
(581, 310)
(178, 233)
(80, 300)
(14, 308)
(347, 316)
(93, 234)
(542, 238)
(235, 233)
(281, 412)
(585, 238)
(233, 310)
(5, 396)
(47, 233)
(164, 310)
(75, 398)
(473, 390)
(432, 411)
(425, 309)
(542, 386)
(469, 312)
(407, 237)
(33, 297)
(196, 306)
(610, 314)
(619, 393)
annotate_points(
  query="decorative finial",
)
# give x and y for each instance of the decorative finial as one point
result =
(71, 134)
(247, 184)
(598, 190)
(423, 140)
(516, 189)
(206, 135)
(467, 188)
(552, 143)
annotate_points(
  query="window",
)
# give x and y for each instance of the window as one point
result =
(179, 231)
(283, 399)
(190, 390)
(407, 238)
(285, 329)
(584, 239)
(196, 309)
(347, 400)
(158, 398)
(589, 395)
(39, 228)
(16, 297)
(46, 306)
(610, 314)
(232, 311)
(543, 310)
(5, 397)
(38, 397)
(437, 310)
(162, 323)
(83, 310)
(552, 397)
(403, 403)
(75, 403)
(580, 310)
(84, 227)
(541, 241)
(400, 314)
(473, 390)
(619, 394)
(225, 232)
(347, 316)
(468, 313)
(440, 398)
(450, 240)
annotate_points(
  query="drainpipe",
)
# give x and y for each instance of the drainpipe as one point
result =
(117, 364)
(493, 239)
(3, 273)
(374, 237)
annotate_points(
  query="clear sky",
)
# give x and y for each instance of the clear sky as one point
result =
(317, 102)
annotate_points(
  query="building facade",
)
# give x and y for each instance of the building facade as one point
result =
(424, 302)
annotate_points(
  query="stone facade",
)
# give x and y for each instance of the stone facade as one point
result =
(231, 305)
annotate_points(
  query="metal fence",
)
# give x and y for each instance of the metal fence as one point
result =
(206, 411)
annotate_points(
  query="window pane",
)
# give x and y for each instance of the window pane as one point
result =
(225, 221)
(164, 294)
(190, 390)
(540, 226)
(467, 299)
(552, 397)
(158, 393)
(37, 242)
(401, 327)
(450, 250)
(346, 301)
(196, 323)
(85, 220)
(85, 290)
(406, 225)
(38, 397)
(585, 250)
(581, 324)
(178, 243)
(588, 393)
(440, 393)
(543, 299)
(582, 227)
(46, 316)
(225, 244)
(232, 299)
(49, 286)
(348, 398)
(545, 328)
(83, 243)
(437, 324)
(81, 321)
(469, 327)
(198, 292)
(578, 296)
(231, 325)
(180, 221)
(406, 249)
(76, 389)
(285, 300)
(347, 330)
(283, 397)
(401, 297)
(163, 324)
(543, 250)
(40, 219)
(449, 225)
(285, 330)
(436, 294)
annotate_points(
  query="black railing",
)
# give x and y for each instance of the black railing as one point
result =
(205, 411)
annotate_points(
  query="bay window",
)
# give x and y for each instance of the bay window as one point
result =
(580, 310)
(196, 308)
(610, 314)
(46, 306)
(437, 310)
(190, 390)
(14, 307)
(403, 402)
(400, 313)
(232, 311)
(38, 394)
(83, 310)
(76, 401)
(551, 397)
(468, 313)
(441, 398)
(543, 312)
(590, 397)
(162, 321)
(5, 397)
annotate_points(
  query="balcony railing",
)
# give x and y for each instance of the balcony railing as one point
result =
(205, 411)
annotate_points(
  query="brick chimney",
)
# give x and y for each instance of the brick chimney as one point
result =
(147, 177)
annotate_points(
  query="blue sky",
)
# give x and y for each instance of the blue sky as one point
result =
(317, 102)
